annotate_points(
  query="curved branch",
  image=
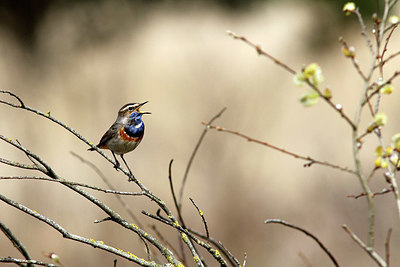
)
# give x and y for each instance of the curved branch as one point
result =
(306, 233)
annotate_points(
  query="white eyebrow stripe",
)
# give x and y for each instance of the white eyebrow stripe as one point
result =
(127, 107)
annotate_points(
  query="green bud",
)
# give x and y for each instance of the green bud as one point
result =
(349, 8)
(309, 98)
(386, 89)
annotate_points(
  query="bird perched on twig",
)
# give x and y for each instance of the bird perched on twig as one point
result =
(126, 132)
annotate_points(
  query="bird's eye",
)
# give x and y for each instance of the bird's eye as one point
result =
(130, 108)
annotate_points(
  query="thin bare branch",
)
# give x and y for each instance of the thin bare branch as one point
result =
(114, 215)
(371, 252)
(305, 259)
(187, 234)
(310, 161)
(378, 88)
(363, 194)
(228, 253)
(364, 30)
(15, 241)
(167, 243)
(132, 178)
(393, 27)
(392, 3)
(21, 104)
(260, 51)
(337, 107)
(202, 217)
(44, 168)
(232, 260)
(108, 191)
(20, 165)
(196, 148)
(353, 58)
(387, 246)
(389, 58)
(171, 185)
(278, 221)
(68, 235)
(29, 262)
(108, 183)
(65, 126)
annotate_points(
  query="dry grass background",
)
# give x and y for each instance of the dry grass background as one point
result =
(91, 59)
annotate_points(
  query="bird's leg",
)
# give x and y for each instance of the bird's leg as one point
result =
(116, 166)
(122, 157)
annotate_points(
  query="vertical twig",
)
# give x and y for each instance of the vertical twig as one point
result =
(245, 260)
(387, 246)
(202, 217)
(305, 259)
(178, 210)
(364, 30)
(194, 154)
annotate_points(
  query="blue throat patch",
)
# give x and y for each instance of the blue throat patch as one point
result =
(131, 129)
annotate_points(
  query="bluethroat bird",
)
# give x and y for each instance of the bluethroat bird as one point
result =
(126, 132)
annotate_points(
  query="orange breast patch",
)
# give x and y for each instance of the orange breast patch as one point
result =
(124, 136)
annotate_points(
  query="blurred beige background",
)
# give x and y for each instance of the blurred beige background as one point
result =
(94, 57)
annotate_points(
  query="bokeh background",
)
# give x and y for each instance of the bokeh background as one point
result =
(83, 60)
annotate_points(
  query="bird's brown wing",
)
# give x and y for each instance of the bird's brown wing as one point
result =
(107, 136)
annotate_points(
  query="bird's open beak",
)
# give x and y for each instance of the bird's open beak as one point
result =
(138, 108)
